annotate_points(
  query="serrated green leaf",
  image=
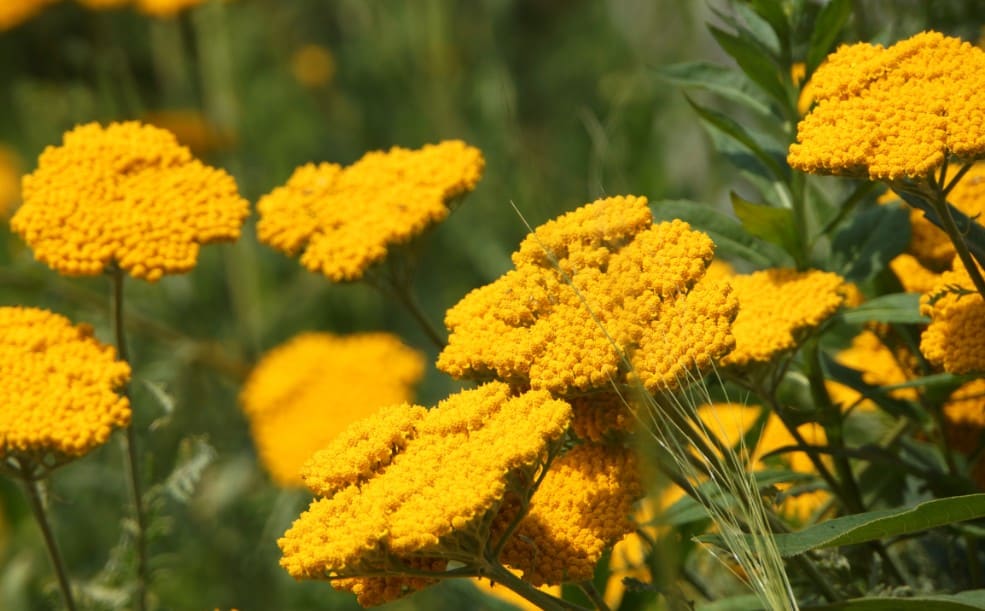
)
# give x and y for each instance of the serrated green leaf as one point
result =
(901, 308)
(731, 240)
(740, 134)
(756, 62)
(963, 601)
(727, 83)
(875, 525)
(827, 26)
(775, 225)
(866, 245)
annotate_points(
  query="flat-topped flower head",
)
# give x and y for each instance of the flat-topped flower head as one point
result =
(420, 486)
(58, 390)
(581, 509)
(776, 307)
(955, 338)
(305, 392)
(896, 112)
(347, 219)
(591, 288)
(126, 195)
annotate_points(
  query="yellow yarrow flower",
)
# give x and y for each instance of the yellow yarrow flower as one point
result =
(600, 415)
(305, 392)
(894, 113)
(165, 8)
(776, 307)
(590, 288)
(434, 493)
(346, 219)
(192, 129)
(58, 390)
(15, 12)
(313, 65)
(583, 507)
(101, 5)
(913, 275)
(10, 180)
(127, 195)
(879, 365)
(955, 338)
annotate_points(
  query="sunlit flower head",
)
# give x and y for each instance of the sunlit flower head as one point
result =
(879, 365)
(913, 275)
(583, 507)
(15, 12)
(955, 338)
(347, 219)
(303, 393)
(776, 307)
(422, 485)
(895, 112)
(10, 181)
(591, 288)
(59, 388)
(126, 195)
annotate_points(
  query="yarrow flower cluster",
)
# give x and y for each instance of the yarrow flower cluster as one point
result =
(591, 288)
(777, 306)
(15, 12)
(955, 338)
(308, 390)
(894, 113)
(127, 195)
(416, 487)
(58, 389)
(347, 219)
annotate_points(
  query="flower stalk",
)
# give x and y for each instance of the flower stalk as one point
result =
(38, 509)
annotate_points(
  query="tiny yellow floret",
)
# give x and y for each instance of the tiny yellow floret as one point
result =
(896, 112)
(128, 195)
(305, 392)
(58, 389)
(346, 219)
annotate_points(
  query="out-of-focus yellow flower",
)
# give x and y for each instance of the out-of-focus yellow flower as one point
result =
(509, 596)
(777, 306)
(583, 506)
(192, 129)
(127, 194)
(912, 274)
(15, 12)
(964, 415)
(879, 365)
(955, 338)
(306, 391)
(10, 180)
(58, 389)
(896, 112)
(313, 65)
(418, 487)
(346, 219)
(100, 5)
(165, 8)
(798, 74)
(590, 288)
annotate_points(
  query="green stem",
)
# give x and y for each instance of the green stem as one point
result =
(593, 595)
(951, 228)
(131, 463)
(37, 507)
(545, 601)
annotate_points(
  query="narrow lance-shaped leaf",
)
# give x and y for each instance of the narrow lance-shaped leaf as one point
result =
(826, 29)
(901, 308)
(728, 126)
(775, 225)
(727, 83)
(755, 61)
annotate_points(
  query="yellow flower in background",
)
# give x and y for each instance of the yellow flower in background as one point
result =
(99, 5)
(192, 129)
(583, 507)
(10, 180)
(433, 492)
(913, 275)
(510, 597)
(58, 389)
(589, 288)
(165, 8)
(127, 195)
(776, 307)
(15, 12)
(346, 219)
(303, 393)
(955, 338)
(880, 366)
(896, 112)
(313, 65)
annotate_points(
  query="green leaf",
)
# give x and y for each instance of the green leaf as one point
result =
(974, 231)
(827, 26)
(772, 12)
(718, 79)
(775, 225)
(962, 601)
(728, 126)
(874, 525)
(901, 308)
(867, 244)
(758, 29)
(755, 61)
(687, 510)
(743, 602)
(731, 240)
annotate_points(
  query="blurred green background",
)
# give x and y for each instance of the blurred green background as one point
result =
(561, 97)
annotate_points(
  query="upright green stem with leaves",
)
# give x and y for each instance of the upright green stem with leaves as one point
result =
(132, 462)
